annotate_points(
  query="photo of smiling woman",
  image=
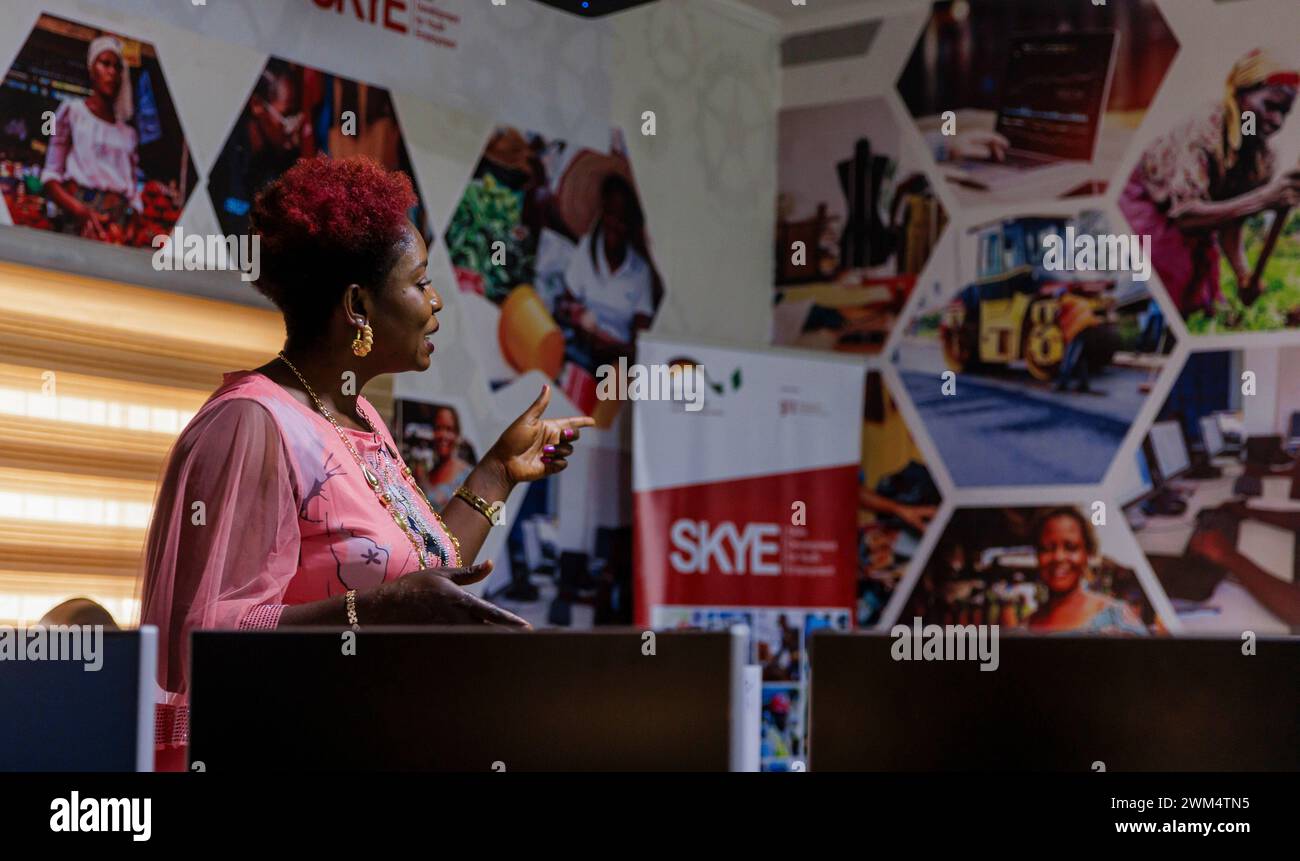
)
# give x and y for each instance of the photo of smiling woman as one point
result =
(1065, 545)
(1040, 570)
(435, 446)
(310, 516)
(1203, 186)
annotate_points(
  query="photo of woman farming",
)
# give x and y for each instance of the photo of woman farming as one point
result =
(1202, 192)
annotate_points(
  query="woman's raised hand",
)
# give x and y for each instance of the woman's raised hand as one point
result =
(533, 447)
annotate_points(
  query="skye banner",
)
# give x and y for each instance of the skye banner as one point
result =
(749, 501)
(745, 510)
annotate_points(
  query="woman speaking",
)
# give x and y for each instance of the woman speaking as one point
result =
(285, 500)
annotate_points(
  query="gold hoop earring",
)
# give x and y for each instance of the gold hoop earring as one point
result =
(364, 340)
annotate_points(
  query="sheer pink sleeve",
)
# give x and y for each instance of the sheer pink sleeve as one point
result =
(223, 544)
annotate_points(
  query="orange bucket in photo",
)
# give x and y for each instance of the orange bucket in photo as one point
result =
(529, 337)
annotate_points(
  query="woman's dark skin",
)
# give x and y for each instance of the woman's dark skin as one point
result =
(402, 314)
(106, 75)
(1279, 597)
(1062, 565)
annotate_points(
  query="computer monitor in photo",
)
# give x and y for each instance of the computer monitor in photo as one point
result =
(1211, 436)
(1137, 482)
(1293, 432)
(1054, 92)
(1169, 448)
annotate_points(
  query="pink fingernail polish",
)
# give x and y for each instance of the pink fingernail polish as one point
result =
(546, 460)
(550, 449)
(568, 433)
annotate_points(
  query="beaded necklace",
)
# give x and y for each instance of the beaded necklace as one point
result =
(406, 516)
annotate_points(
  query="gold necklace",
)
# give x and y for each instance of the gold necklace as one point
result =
(373, 480)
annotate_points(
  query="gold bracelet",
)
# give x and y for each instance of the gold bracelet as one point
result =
(490, 510)
(350, 599)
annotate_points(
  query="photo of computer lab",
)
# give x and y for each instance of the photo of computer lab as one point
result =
(1213, 496)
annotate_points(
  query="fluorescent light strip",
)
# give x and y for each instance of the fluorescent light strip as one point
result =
(92, 411)
(82, 510)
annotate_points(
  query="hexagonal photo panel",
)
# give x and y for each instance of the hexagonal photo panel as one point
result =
(1033, 569)
(1024, 100)
(294, 112)
(1025, 372)
(1214, 495)
(1217, 195)
(90, 143)
(552, 256)
(856, 222)
(897, 499)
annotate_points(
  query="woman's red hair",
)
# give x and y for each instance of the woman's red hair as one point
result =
(326, 223)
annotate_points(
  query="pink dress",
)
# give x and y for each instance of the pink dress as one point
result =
(262, 506)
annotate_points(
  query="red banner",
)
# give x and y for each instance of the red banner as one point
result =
(749, 542)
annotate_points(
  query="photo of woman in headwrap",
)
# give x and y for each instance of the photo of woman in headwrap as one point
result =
(1194, 189)
(90, 167)
(90, 141)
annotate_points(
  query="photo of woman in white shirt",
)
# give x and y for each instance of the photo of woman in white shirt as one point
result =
(90, 168)
(610, 283)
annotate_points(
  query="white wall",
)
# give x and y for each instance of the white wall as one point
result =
(709, 71)
(1260, 411)
(1288, 388)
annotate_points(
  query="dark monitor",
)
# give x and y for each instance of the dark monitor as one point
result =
(1057, 704)
(57, 715)
(1054, 92)
(458, 699)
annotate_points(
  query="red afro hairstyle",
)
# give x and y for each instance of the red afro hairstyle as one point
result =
(326, 223)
